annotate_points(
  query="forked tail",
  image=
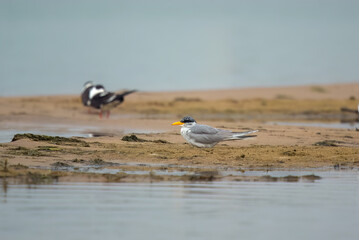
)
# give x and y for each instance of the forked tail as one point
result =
(242, 135)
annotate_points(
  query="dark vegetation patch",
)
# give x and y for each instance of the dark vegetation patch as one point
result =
(311, 177)
(26, 152)
(318, 89)
(206, 176)
(76, 160)
(160, 141)
(60, 165)
(328, 143)
(290, 153)
(49, 148)
(18, 166)
(184, 99)
(289, 178)
(50, 139)
(99, 162)
(134, 138)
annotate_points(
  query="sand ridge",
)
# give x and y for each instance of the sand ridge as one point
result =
(275, 147)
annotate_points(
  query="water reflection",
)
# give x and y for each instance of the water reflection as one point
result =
(326, 209)
(3, 193)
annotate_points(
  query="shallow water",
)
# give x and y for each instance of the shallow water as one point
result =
(6, 135)
(343, 125)
(325, 209)
(7, 131)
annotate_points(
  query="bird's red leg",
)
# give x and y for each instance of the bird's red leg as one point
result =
(108, 114)
(101, 114)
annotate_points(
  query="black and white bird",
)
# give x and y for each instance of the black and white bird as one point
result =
(204, 136)
(89, 86)
(97, 97)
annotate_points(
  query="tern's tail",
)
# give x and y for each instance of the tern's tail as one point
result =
(242, 135)
(120, 96)
(126, 93)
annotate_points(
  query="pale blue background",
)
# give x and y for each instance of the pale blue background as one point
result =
(53, 47)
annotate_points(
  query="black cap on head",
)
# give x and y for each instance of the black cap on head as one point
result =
(187, 119)
(99, 86)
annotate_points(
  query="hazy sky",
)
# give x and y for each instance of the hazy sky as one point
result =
(53, 47)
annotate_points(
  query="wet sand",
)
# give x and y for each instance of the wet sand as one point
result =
(149, 115)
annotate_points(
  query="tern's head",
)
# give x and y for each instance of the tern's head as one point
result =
(99, 86)
(186, 121)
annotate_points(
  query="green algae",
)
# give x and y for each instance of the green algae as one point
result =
(51, 139)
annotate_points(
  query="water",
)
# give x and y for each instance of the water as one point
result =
(342, 125)
(325, 209)
(8, 134)
(8, 130)
(53, 47)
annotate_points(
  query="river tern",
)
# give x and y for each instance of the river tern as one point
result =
(97, 97)
(204, 136)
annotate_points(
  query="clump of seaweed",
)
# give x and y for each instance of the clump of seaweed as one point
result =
(49, 148)
(60, 165)
(290, 153)
(19, 166)
(133, 138)
(328, 143)
(26, 152)
(51, 139)
(160, 141)
(310, 177)
(204, 176)
(318, 89)
(184, 99)
(76, 160)
(99, 162)
(289, 178)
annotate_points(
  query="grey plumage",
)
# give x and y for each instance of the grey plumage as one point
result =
(206, 136)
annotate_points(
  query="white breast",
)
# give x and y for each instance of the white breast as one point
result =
(94, 91)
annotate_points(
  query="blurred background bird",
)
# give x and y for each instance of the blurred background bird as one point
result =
(96, 96)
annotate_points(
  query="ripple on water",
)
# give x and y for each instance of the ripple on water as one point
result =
(214, 210)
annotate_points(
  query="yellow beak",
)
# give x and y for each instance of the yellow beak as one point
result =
(177, 123)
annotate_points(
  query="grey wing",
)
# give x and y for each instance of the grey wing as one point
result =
(206, 134)
(203, 129)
